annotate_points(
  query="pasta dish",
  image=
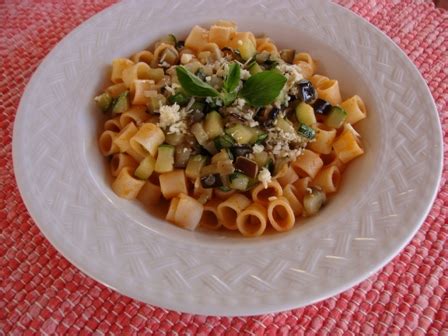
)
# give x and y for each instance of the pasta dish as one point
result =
(233, 132)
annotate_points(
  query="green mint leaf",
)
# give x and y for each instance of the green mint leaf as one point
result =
(233, 78)
(262, 88)
(228, 97)
(192, 85)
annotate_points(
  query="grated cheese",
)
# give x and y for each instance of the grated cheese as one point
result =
(171, 119)
(186, 58)
(257, 148)
(264, 176)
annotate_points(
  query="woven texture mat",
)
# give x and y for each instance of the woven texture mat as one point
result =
(40, 291)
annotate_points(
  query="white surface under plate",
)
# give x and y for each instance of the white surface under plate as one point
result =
(384, 198)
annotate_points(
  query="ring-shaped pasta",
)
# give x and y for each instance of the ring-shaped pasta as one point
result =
(251, 222)
(280, 215)
(229, 210)
(261, 195)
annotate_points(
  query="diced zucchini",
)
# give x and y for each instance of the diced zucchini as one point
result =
(198, 106)
(174, 139)
(285, 125)
(209, 169)
(121, 104)
(247, 50)
(242, 134)
(306, 131)
(312, 202)
(165, 159)
(239, 181)
(145, 168)
(213, 124)
(261, 137)
(305, 114)
(255, 68)
(336, 117)
(199, 133)
(103, 101)
(194, 166)
(154, 103)
(209, 146)
(261, 158)
(224, 141)
(179, 98)
(169, 39)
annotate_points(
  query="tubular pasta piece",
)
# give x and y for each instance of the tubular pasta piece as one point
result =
(223, 194)
(356, 109)
(229, 210)
(139, 70)
(107, 143)
(126, 133)
(214, 49)
(173, 183)
(300, 187)
(251, 222)
(261, 195)
(290, 193)
(324, 139)
(127, 186)
(306, 63)
(289, 177)
(332, 160)
(209, 219)
(188, 212)
(226, 23)
(149, 194)
(197, 38)
(269, 47)
(328, 179)
(147, 139)
(220, 35)
(281, 215)
(118, 67)
(113, 125)
(121, 160)
(329, 91)
(347, 146)
(136, 114)
(308, 164)
(143, 56)
(172, 209)
(141, 86)
(165, 53)
(115, 90)
(200, 193)
(318, 79)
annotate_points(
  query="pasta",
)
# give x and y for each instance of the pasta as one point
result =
(235, 132)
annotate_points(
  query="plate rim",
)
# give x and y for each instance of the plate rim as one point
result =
(243, 312)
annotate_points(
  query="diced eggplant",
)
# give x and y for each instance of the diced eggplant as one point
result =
(336, 117)
(287, 55)
(262, 57)
(182, 155)
(306, 132)
(247, 166)
(312, 202)
(307, 93)
(267, 116)
(321, 107)
(211, 181)
(195, 165)
(241, 150)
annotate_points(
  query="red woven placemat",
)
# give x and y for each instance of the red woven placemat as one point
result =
(40, 291)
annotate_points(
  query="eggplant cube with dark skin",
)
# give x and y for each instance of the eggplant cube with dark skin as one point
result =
(307, 93)
(211, 181)
(247, 166)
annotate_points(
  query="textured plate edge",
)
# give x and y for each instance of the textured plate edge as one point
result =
(267, 308)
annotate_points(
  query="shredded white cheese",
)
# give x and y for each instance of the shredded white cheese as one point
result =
(264, 176)
(244, 74)
(257, 148)
(186, 58)
(171, 119)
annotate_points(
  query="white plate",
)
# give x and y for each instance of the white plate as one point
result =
(385, 195)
